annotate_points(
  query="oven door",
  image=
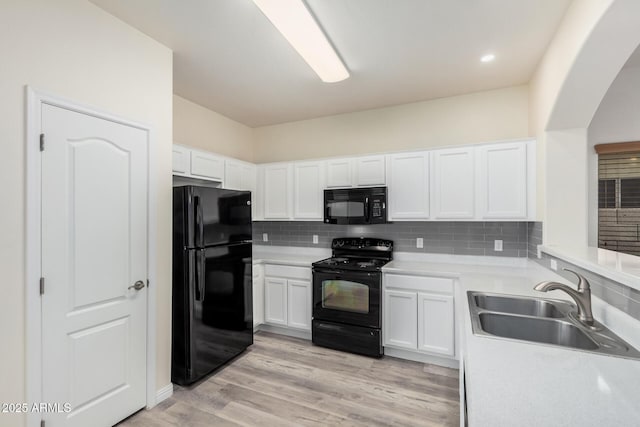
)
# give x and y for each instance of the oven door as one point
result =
(347, 297)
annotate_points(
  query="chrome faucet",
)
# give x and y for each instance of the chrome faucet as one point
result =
(582, 296)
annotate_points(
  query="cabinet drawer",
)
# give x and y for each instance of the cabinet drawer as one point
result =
(274, 270)
(419, 283)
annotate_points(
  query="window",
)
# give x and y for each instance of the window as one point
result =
(619, 198)
(606, 193)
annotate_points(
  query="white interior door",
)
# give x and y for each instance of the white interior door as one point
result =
(94, 248)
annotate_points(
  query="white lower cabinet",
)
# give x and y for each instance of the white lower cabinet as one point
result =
(401, 319)
(435, 324)
(258, 295)
(419, 314)
(275, 301)
(287, 300)
(299, 304)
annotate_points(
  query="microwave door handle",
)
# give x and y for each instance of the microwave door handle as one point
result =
(366, 209)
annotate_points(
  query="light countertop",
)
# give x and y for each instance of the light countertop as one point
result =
(622, 268)
(288, 255)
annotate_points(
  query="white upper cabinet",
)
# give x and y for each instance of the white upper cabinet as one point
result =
(408, 175)
(502, 181)
(277, 191)
(370, 171)
(181, 160)
(308, 187)
(453, 183)
(239, 175)
(207, 165)
(365, 171)
(339, 173)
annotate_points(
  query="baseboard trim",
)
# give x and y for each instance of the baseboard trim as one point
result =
(305, 335)
(164, 393)
(421, 357)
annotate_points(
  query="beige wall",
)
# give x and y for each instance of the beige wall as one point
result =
(547, 82)
(594, 40)
(198, 127)
(483, 116)
(72, 49)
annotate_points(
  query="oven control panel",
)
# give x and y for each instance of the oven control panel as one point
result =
(367, 243)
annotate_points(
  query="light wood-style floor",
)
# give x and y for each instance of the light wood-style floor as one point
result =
(283, 381)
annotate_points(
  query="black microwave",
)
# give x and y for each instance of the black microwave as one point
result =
(355, 206)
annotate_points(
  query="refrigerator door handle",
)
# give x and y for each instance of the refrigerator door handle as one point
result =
(199, 238)
(200, 276)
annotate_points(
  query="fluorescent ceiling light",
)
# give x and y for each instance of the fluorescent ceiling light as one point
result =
(294, 21)
(488, 58)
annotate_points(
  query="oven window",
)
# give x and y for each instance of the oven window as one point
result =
(344, 209)
(345, 295)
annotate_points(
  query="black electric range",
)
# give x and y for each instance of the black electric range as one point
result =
(347, 295)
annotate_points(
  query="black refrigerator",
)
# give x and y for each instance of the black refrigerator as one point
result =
(212, 315)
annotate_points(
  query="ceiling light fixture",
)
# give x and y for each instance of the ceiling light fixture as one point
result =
(294, 21)
(488, 58)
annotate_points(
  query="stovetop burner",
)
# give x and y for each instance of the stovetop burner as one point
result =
(364, 254)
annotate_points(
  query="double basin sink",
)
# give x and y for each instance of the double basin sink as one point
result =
(542, 321)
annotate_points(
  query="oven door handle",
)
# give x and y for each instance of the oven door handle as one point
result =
(341, 274)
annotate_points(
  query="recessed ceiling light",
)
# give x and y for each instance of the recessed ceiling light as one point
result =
(488, 58)
(294, 21)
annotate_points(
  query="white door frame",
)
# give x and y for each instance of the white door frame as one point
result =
(33, 317)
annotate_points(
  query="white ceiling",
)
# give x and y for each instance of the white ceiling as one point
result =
(229, 58)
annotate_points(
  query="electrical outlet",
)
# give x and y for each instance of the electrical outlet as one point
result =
(265, 237)
(419, 242)
(315, 239)
(497, 245)
(554, 265)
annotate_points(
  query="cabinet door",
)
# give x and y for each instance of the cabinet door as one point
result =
(258, 295)
(277, 191)
(502, 186)
(299, 304)
(408, 186)
(453, 182)
(206, 165)
(248, 177)
(436, 329)
(181, 160)
(275, 301)
(339, 173)
(370, 171)
(400, 327)
(239, 175)
(308, 187)
(232, 175)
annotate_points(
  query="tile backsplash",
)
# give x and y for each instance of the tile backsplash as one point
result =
(614, 293)
(458, 238)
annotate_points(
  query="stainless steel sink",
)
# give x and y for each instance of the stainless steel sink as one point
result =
(523, 306)
(539, 330)
(542, 321)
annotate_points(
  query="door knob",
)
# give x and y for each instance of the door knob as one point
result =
(137, 286)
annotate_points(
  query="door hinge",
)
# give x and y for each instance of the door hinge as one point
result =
(42, 142)
(147, 283)
(41, 285)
